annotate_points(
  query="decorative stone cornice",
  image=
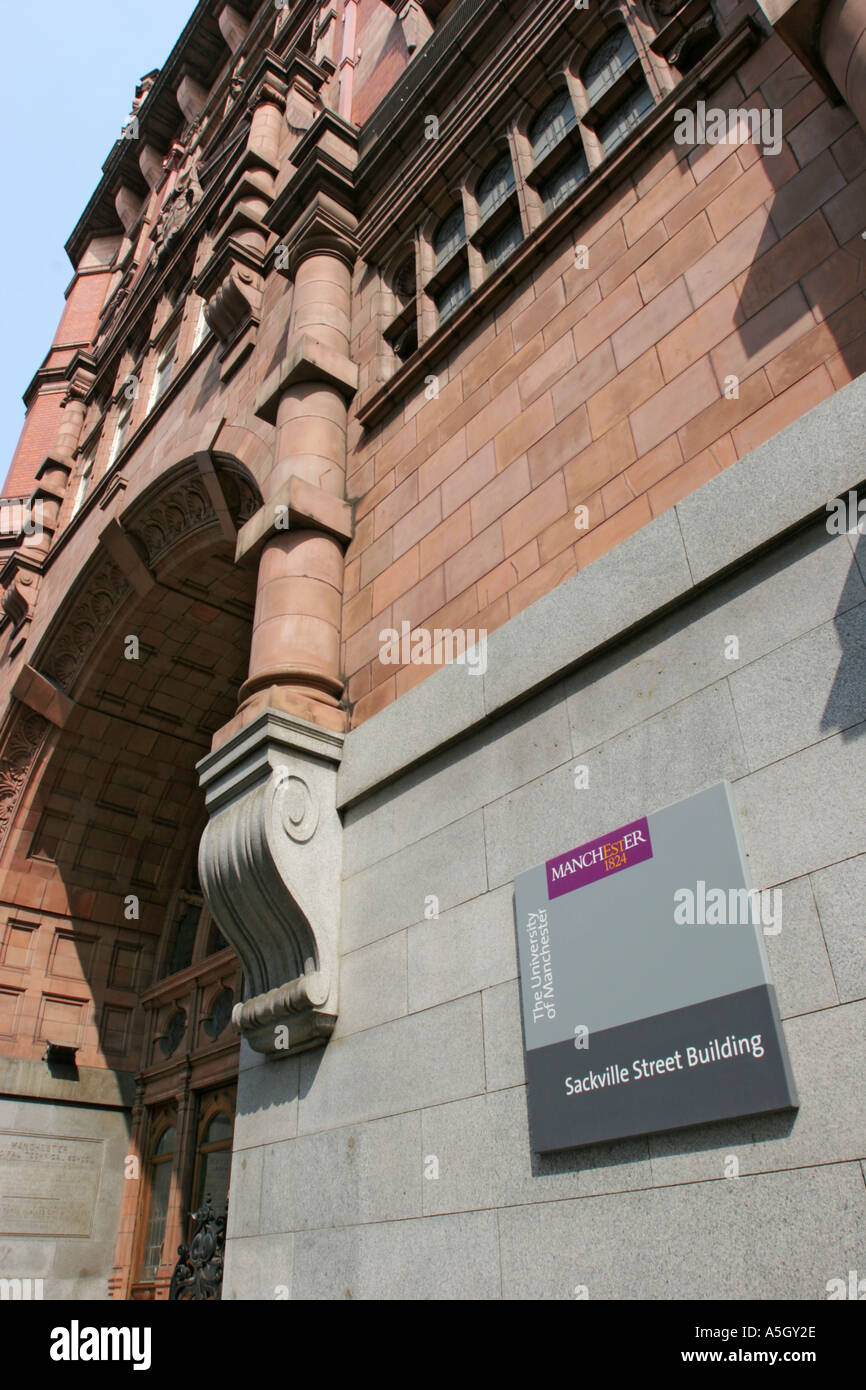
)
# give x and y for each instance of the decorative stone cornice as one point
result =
(270, 868)
(323, 228)
(80, 374)
(325, 158)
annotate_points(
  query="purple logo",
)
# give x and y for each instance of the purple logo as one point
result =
(608, 854)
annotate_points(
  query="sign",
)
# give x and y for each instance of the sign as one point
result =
(647, 1002)
(48, 1184)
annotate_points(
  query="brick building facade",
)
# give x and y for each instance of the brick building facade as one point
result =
(538, 324)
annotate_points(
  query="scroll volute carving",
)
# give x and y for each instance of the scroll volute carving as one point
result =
(238, 297)
(269, 865)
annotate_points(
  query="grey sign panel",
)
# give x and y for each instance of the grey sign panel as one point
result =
(647, 1002)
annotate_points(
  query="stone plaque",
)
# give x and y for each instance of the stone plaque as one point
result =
(48, 1184)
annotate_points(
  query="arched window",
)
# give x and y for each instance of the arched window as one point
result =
(404, 280)
(449, 236)
(183, 941)
(402, 332)
(564, 181)
(551, 124)
(604, 65)
(84, 482)
(214, 1149)
(121, 430)
(156, 1195)
(495, 186)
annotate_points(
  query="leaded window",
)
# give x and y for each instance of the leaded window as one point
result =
(495, 186)
(449, 236)
(551, 124)
(605, 64)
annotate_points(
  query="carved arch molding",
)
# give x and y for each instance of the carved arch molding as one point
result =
(189, 503)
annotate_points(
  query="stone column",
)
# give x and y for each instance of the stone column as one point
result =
(54, 472)
(843, 49)
(829, 39)
(270, 858)
(295, 652)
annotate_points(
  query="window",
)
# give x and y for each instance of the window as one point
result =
(156, 1197)
(202, 327)
(453, 295)
(613, 55)
(120, 432)
(617, 126)
(495, 186)
(214, 1149)
(618, 104)
(564, 181)
(185, 931)
(84, 482)
(402, 331)
(500, 247)
(450, 235)
(551, 124)
(164, 369)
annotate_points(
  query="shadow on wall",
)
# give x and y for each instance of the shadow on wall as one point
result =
(845, 710)
(801, 325)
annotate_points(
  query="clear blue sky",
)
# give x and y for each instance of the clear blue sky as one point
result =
(69, 77)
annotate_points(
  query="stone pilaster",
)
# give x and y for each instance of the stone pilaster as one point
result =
(232, 280)
(270, 858)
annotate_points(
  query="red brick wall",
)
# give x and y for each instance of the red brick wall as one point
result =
(77, 327)
(37, 436)
(81, 312)
(604, 386)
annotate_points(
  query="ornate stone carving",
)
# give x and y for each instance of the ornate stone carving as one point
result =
(698, 37)
(269, 865)
(237, 297)
(175, 210)
(103, 595)
(24, 740)
(14, 602)
(299, 814)
(185, 509)
(241, 500)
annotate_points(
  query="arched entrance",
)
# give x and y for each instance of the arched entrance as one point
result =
(109, 955)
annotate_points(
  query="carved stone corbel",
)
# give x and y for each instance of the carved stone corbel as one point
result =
(270, 868)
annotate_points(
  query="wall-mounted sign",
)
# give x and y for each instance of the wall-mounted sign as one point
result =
(647, 1003)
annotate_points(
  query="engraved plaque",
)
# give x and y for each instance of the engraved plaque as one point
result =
(48, 1184)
